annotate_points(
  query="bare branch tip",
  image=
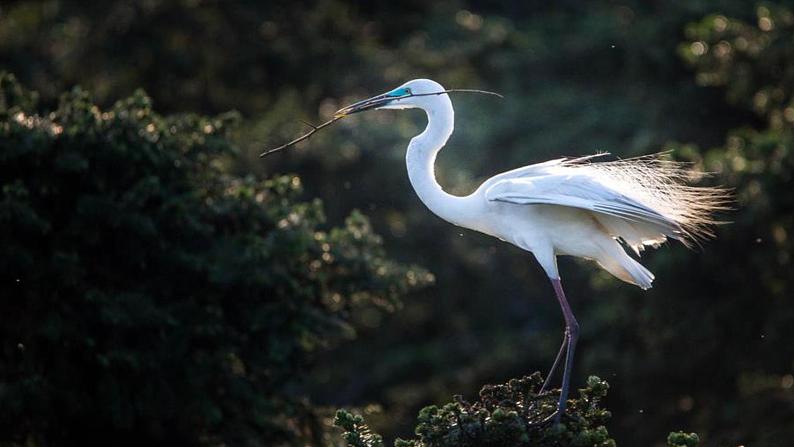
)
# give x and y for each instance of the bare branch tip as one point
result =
(308, 124)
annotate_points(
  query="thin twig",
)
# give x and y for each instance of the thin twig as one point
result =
(455, 90)
(309, 124)
(302, 137)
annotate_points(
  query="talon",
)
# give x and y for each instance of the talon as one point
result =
(554, 417)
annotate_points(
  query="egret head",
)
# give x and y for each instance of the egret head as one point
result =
(417, 93)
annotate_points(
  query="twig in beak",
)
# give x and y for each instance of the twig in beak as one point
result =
(457, 90)
(339, 117)
(309, 124)
(302, 137)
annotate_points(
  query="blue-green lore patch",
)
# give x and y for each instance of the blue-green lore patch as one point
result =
(405, 91)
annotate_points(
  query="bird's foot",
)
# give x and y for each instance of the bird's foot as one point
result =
(540, 396)
(537, 403)
(553, 419)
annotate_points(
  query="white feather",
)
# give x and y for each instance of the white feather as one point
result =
(646, 197)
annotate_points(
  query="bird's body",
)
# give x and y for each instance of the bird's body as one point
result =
(578, 207)
(566, 206)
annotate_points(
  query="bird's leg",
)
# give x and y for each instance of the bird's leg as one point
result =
(554, 365)
(572, 335)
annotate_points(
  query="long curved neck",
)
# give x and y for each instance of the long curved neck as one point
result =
(421, 157)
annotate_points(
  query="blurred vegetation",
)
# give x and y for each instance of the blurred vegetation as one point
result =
(152, 298)
(707, 349)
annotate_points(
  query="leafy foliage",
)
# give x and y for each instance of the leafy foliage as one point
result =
(357, 434)
(147, 296)
(681, 439)
(511, 414)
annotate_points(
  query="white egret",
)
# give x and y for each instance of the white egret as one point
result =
(574, 207)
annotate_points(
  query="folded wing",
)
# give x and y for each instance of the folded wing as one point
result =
(623, 216)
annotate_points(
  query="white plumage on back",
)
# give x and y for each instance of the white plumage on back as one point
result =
(640, 200)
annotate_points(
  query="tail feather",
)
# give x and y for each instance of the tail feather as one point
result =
(627, 269)
(642, 277)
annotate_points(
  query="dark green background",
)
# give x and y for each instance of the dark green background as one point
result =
(709, 349)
